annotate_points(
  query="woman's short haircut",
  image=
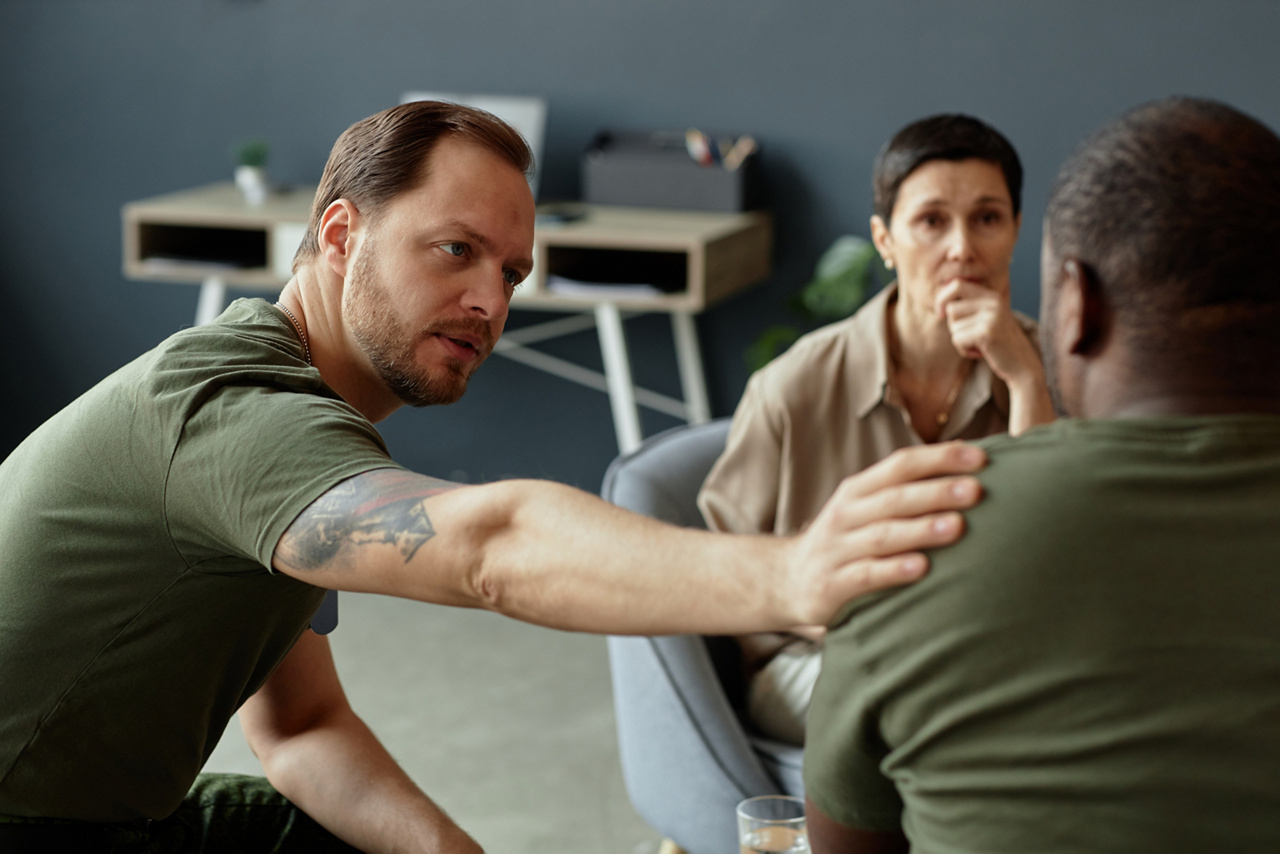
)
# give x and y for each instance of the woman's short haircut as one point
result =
(950, 136)
(378, 158)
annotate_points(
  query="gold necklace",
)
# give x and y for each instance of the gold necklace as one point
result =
(306, 345)
(945, 415)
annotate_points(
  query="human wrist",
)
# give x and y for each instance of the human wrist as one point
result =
(778, 602)
(1029, 381)
(1024, 373)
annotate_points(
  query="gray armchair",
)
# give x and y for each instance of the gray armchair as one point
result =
(687, 757)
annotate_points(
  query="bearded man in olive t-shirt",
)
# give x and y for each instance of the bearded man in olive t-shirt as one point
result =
(166, 538)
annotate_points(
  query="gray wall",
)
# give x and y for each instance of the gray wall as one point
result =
(105, 101)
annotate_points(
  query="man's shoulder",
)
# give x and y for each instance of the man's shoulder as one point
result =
(1092, 495)
(1083, 490)
(243, 375)
(248, 332)
(247, 347)
(1076, 448)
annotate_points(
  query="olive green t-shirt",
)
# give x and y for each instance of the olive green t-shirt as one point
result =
(1096, 665)
(137, 610)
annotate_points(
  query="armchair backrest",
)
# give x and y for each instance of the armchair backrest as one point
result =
(686, 757)
(662, 477)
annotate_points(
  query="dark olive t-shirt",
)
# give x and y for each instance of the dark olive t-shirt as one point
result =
(1094, 667)
(137, 610)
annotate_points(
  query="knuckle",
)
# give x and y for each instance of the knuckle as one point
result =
(893, 501)
(895, 460)
(847, 488)
(880, 537)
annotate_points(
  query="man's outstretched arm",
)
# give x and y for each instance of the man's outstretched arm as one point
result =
(320, 755)
(556, 556)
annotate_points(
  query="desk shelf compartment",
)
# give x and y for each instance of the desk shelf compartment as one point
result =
(164, 248)
(694, 259)
(623, 269)
(212, 233)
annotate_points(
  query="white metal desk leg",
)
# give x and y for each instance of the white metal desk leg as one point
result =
(692, 378)
(617, 371)
(213, 298)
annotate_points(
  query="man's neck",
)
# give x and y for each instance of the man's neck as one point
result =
(314, 295)
(1115, 391)
(1207, 404)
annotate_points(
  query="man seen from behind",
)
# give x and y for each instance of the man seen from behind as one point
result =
(1096, 666)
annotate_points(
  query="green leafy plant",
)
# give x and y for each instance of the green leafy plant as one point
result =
(252, 152)
(842, 280)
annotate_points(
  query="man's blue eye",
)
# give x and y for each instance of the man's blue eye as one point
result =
(455, 249)
(512, 277)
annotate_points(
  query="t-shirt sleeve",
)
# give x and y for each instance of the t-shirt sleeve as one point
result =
(251, 459)
(740, 495)
(843, 746)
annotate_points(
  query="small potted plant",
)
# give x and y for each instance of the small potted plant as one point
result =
(251, 173)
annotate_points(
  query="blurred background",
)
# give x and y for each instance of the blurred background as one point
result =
(107, 101)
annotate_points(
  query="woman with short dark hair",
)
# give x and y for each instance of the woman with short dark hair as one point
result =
(937, 355)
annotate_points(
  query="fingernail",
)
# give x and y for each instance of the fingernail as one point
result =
(913, 565)
(944, 524)
(963, 489)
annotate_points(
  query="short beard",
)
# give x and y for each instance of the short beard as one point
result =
(392, 348)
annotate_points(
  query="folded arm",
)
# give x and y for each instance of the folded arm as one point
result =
(553, 555)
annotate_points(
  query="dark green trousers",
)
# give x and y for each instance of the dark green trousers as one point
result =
(222, 814)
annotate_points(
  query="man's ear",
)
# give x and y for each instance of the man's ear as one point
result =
(336, 234)
(1085, 311)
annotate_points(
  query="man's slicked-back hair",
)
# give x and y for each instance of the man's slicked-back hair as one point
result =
(378, 158)
(1174, 208)
(950, 136)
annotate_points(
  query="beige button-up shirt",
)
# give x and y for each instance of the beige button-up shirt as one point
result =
(822, 411)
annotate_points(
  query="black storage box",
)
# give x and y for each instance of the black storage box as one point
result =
(641, 169)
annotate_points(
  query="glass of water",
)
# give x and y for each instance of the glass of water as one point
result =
(772, 824)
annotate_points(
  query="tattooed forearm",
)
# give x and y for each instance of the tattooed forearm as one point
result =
(379, 508)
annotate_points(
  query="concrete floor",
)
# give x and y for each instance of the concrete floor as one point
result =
(509, 727)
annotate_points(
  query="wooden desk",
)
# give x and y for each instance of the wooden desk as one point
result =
(695, 258)
(210, 236)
